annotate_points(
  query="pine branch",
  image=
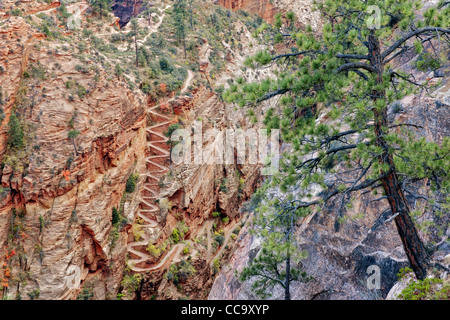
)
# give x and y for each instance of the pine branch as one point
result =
(354, 66)
(417, 32)
(273, 94)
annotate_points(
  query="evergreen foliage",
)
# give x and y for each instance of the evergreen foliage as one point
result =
(279, 260)
(100, 7)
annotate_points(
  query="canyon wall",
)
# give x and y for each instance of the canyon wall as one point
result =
(267, 9)
(58, 191)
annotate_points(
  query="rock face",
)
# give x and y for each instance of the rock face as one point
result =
(58, 191)
(17, 38)
(267, 9)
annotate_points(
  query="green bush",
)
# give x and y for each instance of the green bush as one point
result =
(216, 265)
(131, 183)
(16, 12)
(427, 289)
(223, 185)
(34, 294)
(73, 134)
(85, 294)
(180, 272)
(427, 62)
(165, 65)
(154, 251)
(15, 134)
(175, 235)
(115, 215)
(81, 91)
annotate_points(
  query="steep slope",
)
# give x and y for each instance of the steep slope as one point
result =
(82, 139)
(340, 251)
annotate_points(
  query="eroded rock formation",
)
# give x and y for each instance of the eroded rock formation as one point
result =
(58, 191)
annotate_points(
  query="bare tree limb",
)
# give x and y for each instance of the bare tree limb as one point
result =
(355, 66)
(411, 34)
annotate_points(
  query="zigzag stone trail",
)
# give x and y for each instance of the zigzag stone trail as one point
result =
(157, 168)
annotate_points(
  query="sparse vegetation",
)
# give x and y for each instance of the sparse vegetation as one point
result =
(131, 182)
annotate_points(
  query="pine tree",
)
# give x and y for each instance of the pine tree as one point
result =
(15, 133)
(279, 260)
(346, 75)
(135, 30)
(191, 14)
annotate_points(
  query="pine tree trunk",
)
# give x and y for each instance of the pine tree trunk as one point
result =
(287, 293)
(136, 47)
(287, 290)
(412, 244)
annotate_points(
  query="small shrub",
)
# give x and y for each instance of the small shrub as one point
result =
(81, 91)
(85, 294)
(223, 185)
(216, 265)
(165, 65)
(73, 134)
(215, 214)
(131, 183)
(175, 235)
(15, 134)
(34, 294)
